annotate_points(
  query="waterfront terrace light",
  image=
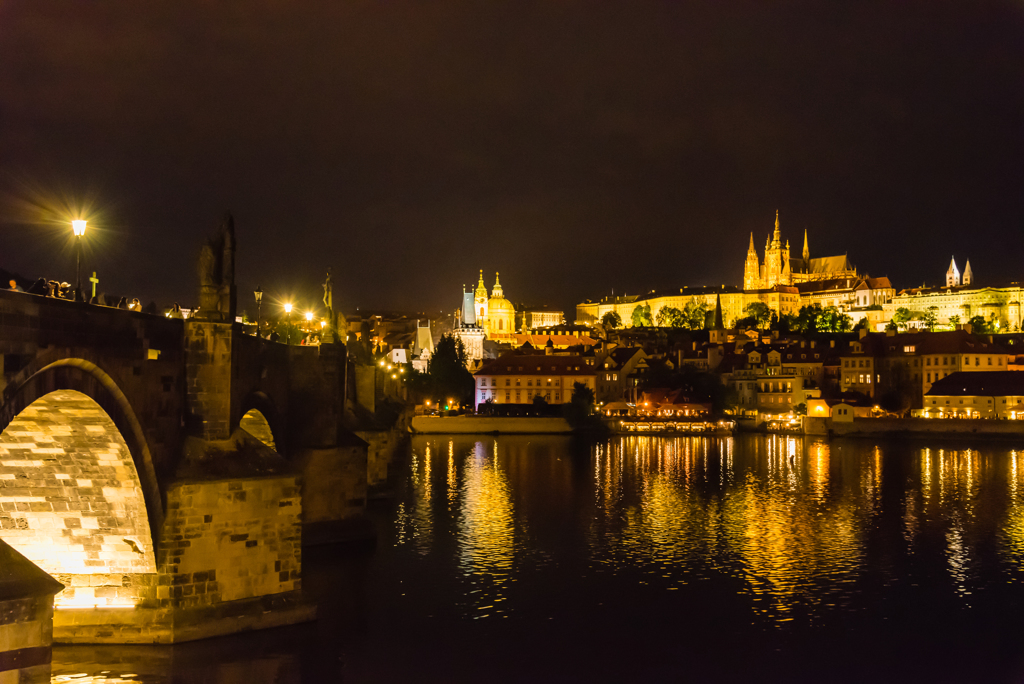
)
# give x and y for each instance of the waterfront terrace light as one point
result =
(78, 225)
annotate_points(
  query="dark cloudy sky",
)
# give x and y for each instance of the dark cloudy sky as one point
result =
(575, 146)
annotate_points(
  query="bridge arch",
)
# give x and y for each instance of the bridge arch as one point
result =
(72, 502)
(260, 419)
(78, 491)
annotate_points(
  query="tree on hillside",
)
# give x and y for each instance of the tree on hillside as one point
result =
(760, 313)
(670, 317)
(979, 325)
(641, 317)
(830, 319)
(954, 320)
(611, 320)
(807, 319)
(901, 317)
(695, 315)
(931, 317)
(449, 378)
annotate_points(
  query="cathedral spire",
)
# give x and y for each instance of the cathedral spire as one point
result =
(751, 249)
(496, 291)
(481, 289)
(807, 252)
(777, 236)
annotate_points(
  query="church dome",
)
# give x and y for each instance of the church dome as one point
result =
(499, 305)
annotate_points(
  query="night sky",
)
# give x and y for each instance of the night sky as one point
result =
(575, 147)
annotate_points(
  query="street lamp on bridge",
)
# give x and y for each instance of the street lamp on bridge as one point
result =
(78, 225)
(288, 310)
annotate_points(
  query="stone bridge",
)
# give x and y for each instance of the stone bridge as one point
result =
(155, 467)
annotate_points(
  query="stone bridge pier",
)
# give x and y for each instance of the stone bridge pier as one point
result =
(164, 471)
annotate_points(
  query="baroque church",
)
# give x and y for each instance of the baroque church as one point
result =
(779, 268)
(484, 317)
(494, 314)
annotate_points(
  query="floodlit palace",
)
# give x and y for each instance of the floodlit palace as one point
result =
(780, 281)
(786, 283)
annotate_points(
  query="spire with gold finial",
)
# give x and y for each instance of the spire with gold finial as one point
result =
(496, 291)
(807, 252)
(481, 289)
(751, 249)
(777, 236)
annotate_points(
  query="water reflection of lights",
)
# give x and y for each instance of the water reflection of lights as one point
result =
(486, 532)
(767, 525)
(792, 519)
(414, 523)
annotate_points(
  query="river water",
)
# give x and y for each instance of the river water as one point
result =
(649, 559)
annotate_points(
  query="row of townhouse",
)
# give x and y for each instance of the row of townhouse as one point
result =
(880, 362)
(779, 377)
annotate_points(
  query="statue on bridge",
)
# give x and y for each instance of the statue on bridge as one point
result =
(217, 293)
(337, 326)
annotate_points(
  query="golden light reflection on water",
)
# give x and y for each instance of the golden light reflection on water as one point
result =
(486, 530)
(791, 521)
(414, 521)
(765, 522)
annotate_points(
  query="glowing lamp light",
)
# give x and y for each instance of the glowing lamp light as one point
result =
(309, 316)
(323, 324)
(288, 308)
(78, 226)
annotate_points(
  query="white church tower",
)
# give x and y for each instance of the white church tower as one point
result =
(968, 274)
(953, 274)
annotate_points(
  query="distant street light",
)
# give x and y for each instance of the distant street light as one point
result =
(78, 225)
(258, 293)
(288, 310)
(309, 320)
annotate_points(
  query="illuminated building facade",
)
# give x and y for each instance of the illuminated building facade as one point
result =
(993, 394)
(520, 378)
(959, 302)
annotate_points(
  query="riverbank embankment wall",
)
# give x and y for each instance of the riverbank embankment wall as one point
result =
(482, 425)
(926, 426)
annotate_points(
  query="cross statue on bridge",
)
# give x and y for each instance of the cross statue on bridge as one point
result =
(95, 281)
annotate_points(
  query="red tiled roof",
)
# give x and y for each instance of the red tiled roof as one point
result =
(536, 364)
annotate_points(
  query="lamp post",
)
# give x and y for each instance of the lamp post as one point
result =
(78, 225)
(288, 310)
(258, 293)
(309, 321)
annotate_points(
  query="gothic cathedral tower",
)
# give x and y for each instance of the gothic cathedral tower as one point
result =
(776, 260)
(752, 268)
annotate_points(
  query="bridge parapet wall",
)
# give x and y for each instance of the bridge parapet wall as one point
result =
(142, 354)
